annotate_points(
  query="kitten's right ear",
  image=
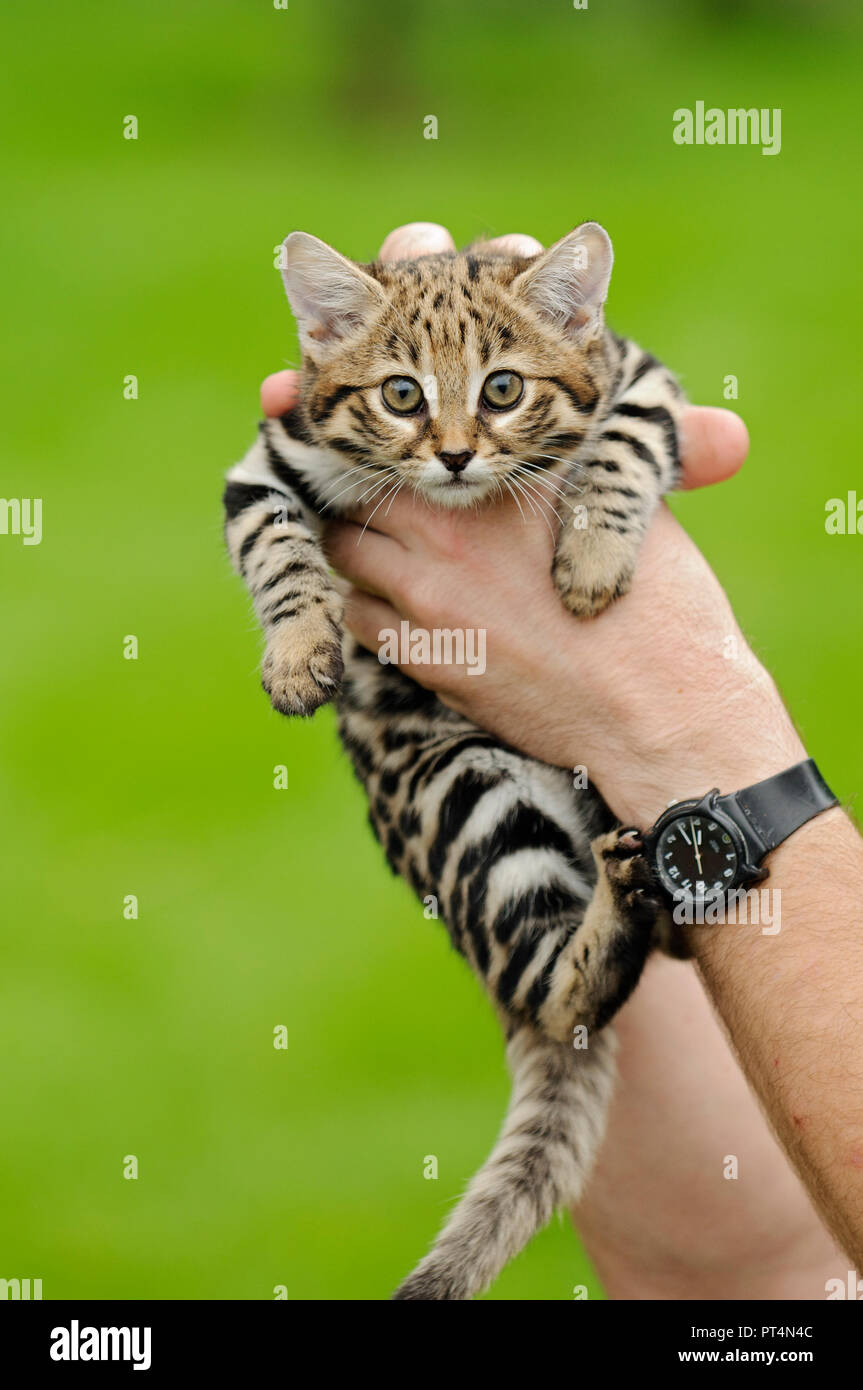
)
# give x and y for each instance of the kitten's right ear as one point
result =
(330, 296)
(568, 283)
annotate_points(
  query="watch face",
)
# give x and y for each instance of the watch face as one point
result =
(696, 855)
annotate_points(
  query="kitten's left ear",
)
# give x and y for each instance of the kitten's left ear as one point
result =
(568, 283)
(330, 296)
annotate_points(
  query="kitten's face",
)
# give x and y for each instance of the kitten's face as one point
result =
(457, 375)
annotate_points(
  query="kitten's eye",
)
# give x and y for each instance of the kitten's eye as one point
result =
(402, 394)
(502, 390)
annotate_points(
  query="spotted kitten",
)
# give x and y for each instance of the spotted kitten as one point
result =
(458, 376)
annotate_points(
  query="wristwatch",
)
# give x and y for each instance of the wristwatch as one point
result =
(700, 850)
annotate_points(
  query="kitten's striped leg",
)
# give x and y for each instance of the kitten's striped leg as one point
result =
(503, 843)
(275, 550)
(620, 928)
(554, 960)
(633, 462)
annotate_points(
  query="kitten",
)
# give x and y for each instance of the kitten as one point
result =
(459, 375)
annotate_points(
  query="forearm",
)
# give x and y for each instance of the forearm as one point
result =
(664, 1215)
(793, 1005)
(791, 1000)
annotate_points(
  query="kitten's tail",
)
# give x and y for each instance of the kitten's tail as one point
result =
(550, 1138)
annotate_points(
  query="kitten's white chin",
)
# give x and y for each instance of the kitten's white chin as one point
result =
(452, 493)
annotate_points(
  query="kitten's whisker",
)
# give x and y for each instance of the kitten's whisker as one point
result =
(369, 494)
(560, 458)
(394, 489)
(527, 498)
(388, 472)
(570, 463)
(564, 495)
(523, 494)
(376, 487)
(357, 468)
(538, 482)
(553, 484)
(512, 494)
(379, 494)
(402, 482)
(356, 483)
(516, 481)
(541, 502)
(554, 479)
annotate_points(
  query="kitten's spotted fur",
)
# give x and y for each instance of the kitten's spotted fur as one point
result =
(552, 906)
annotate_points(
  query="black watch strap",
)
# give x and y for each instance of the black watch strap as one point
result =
(778, 806)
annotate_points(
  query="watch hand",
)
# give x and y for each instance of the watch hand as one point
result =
(695, 846)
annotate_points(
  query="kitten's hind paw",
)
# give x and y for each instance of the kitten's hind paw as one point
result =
(302, 668)
(621, 855)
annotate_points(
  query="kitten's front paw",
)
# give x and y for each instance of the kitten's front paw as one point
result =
(302, 667)
(591, 572)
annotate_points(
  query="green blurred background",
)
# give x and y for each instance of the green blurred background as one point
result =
(154, 777)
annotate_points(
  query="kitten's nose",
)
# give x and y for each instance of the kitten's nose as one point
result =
(456, 463)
